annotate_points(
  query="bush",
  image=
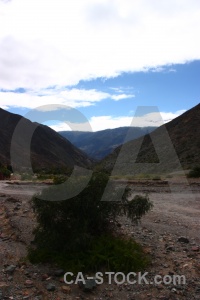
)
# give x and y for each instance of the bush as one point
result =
(194, 173)
(67, 229)
(5, 172)
(58, 179)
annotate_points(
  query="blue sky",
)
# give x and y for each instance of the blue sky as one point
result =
(102, 58)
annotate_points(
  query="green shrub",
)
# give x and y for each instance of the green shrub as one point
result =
(157, 177)
(5, 171)
(58, 179)
(67, 229)
(194, 173)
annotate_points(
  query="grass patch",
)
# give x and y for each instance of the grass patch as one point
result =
(104, 253)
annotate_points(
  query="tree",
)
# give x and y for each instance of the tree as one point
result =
(72, 225)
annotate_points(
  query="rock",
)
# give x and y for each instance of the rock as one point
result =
(10, 269)
(170, 248)
(10, 278)
(66, 289)
(89, 285)
(59, 273)
(29, 283)
(183, 240)
(171, 273)
(50, 287)
(3, 285)
(5, 238)
(27, 273)
(157, 221)
(44, 277)
(195, 249)
(34, 276)
(198, 290)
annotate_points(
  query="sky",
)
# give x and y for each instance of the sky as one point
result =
(116, 63)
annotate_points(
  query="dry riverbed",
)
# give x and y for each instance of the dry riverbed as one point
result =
(176, 214)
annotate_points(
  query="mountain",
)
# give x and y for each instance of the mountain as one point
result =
(99, 144)
(169, 148)
(48, 149)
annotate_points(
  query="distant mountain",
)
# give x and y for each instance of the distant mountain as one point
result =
(48, 148)
(99, 144)
(156, 150)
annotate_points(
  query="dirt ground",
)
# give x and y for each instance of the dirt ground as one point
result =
(176, 214)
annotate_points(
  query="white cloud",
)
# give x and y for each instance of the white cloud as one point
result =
(70, 97)
(57, 42)
(104, 122)
(121, 96)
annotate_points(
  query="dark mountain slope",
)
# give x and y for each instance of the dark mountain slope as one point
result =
(101, 143)
(183, 132)
(48, 148)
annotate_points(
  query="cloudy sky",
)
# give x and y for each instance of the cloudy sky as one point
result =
(103, 58)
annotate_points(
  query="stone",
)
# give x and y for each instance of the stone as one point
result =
(198, 290)
(171, 273)
(195, 249)
(10, 269)
(50, 287)
(10, 278)
(183, 240)
(3, 285)
(66, 289)
(170, 248)
(89, 285)
(44, 277)
(29, 283)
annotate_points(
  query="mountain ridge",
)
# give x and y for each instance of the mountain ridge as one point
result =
(183, 137)
(100, 143)
(48, 148)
